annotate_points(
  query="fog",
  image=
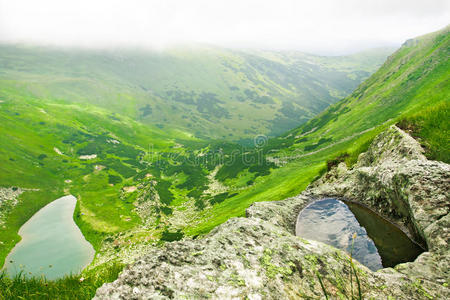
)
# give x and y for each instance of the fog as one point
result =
(319, 26)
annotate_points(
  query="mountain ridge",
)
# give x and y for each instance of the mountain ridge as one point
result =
(191, 89)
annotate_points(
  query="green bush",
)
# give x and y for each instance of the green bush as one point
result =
(113, 179)
(165, 195)
(171, 236)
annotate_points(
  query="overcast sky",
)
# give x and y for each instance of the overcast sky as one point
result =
(320, 26)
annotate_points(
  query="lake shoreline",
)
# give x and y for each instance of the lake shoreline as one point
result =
(51, 243)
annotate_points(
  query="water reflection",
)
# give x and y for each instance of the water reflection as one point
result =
(377, 243)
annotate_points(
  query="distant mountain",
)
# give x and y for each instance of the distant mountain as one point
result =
(210, 92)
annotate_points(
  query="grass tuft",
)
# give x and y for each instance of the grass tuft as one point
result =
(69, 287)
(431, 128)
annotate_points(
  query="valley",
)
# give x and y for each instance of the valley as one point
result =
(211, 92)
(64, 136)
(154, 158)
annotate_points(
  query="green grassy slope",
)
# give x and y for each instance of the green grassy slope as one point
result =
(211, 92)
(431, 128)
(129, 178)
(42, 147)
(413, 84)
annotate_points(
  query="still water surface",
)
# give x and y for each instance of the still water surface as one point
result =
(371, 239)
(52, 244)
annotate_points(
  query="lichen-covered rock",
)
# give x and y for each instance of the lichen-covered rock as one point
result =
(281, 213)
(249, 257)
(259, 257)
(242, 258)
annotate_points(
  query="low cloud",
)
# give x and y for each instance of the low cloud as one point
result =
(322, 26)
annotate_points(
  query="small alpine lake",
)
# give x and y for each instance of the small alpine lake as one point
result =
(372, 240)
(52, 244)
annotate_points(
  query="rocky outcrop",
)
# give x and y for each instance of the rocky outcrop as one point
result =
(8, 199)
(394, 178)
(259, 257)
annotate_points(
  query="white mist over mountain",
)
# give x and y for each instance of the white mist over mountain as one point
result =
(320, 26)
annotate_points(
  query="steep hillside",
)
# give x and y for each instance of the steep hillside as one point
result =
(211, 92)
(413, 84)
(414, 78)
